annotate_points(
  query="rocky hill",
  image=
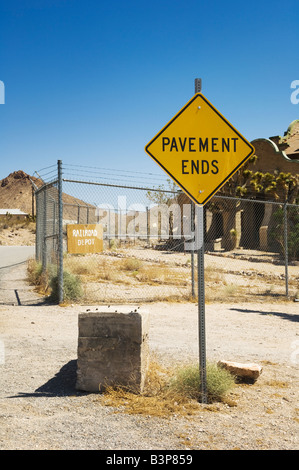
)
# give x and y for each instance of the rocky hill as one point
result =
(17, 192)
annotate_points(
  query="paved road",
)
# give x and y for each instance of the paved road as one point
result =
(12, 255)
(13, 287)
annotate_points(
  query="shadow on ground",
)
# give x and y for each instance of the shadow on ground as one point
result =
(284, 316)
(62, 384)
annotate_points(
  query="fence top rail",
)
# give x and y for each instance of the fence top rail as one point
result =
(46, 185)
(216, 196)
(120, 186)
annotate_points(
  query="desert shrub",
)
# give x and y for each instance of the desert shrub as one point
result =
(34, 272)
(131, 264)
(170, 391)
(37, 277)
(43, 280)
(78, 265)
(159, 273)
(72, 288)
(187, 382)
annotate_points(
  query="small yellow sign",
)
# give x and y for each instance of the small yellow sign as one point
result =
(199, 149)
(84, 238)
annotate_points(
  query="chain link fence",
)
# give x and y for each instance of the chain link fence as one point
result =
(135, 243)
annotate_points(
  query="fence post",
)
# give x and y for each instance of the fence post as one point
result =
(286, 254)
(37, 236)
(54, 228)
(147, 224)
(60, 234)
(44, 232)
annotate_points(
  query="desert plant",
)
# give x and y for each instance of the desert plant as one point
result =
(131, 264)
(34, 271)
(78, 265)
(113, 244)
(72, 289)
(37, 277)
(159, 273)
(187, 382)
(171, 391)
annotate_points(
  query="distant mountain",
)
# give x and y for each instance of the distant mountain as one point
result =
(17, 192)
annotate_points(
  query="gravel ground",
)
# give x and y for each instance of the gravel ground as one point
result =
(41, 409)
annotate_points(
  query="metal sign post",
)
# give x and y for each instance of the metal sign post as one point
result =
(201, 293)
(201, 307)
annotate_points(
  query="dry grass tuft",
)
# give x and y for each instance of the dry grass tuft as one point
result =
(37, 278)
(277, 383)
(126, 271)
(169, 391)
(130, 264)
(157, 399)
(160, 273)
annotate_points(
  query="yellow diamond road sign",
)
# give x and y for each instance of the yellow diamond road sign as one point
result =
(199, 149)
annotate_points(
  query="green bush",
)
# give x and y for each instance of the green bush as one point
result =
(72, 288)
(187, 382)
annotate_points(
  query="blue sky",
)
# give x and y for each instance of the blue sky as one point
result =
(91, 82)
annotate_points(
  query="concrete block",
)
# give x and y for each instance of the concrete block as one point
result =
(112, 348)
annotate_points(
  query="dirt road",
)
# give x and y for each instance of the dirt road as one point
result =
(40, 408)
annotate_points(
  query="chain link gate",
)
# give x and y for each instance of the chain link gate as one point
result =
(251, 246)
